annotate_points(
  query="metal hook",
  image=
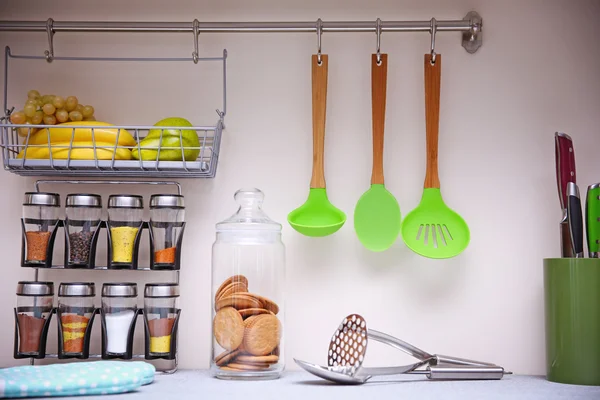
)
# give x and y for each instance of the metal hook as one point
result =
(50, 29)
(319, 33)
(378, 33)
(196, 30)
(433, 29)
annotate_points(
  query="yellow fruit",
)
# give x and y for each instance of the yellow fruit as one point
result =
(63, 133)
(81, 151)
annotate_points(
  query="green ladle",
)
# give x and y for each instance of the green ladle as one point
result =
(317, 216)
(377, 213)
(432, 229)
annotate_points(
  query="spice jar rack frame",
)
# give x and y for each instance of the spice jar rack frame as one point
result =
(173, 356)
(204, 165)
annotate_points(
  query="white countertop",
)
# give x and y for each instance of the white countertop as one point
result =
(191, 384)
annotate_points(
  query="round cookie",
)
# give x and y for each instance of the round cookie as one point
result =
(232, 288)
(228, 328)
(268, 303)
(239, 301)
(262, 334)
(248, 367)
(271, 359)
(247, 312)
(226, 357)
(232, 279)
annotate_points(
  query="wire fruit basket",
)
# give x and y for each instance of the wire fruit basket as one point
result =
(30, 150)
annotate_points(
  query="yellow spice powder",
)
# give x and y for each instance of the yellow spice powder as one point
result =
(123, 238)
(160, 344)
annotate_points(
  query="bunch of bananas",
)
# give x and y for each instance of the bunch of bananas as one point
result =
(86, 143)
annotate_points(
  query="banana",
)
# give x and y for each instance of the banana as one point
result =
(81, 151)
(64, 133)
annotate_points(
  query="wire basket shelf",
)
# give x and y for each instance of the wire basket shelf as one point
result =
(109, 150)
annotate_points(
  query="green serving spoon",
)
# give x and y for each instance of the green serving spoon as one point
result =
(377, 213)
(317, 216)
(432, 229)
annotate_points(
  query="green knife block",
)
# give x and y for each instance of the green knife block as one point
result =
(572, 315)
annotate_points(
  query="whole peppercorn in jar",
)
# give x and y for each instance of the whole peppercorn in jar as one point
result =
(84, 212)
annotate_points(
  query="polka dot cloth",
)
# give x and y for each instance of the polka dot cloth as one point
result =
(84, 378)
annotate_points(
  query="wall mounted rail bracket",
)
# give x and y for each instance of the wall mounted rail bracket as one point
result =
(472, 39)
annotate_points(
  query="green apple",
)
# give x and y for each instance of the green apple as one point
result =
(171, 143)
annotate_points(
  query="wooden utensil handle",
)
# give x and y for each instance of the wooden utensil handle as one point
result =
(319, 109)
(378, 100)
(432, 118)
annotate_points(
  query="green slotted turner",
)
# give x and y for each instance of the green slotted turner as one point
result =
(432, 229)
(377, 213)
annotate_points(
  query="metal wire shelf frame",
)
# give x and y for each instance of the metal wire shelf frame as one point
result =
(15, 157)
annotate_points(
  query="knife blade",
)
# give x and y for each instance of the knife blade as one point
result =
(565, 173)
(575, 219)
(592, 213)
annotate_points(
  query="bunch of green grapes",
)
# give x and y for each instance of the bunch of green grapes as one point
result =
(50, 110)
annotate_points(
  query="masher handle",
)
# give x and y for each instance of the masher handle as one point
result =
(399, 344)
(441, 359)
(432, 118)
(319, 111)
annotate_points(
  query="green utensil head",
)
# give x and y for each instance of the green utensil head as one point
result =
(433, 230)
(593, 212)
(317, 216)
(377, 218)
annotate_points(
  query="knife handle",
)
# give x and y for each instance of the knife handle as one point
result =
(565, 165)
(575, 218)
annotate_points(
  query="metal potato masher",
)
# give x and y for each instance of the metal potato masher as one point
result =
(348, 347)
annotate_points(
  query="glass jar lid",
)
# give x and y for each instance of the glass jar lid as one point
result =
(249, 215)
(42, 199)
(77, 289)
(124, 289)
(37, 288)
(84, 200)
(125, 201)
(161, 290)
(166, 201)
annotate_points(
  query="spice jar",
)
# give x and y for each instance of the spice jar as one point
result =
(40, 219)
(83, 212)
(75, 318)
(124, 227)
(32, 316)
(167, 214)
(248, 267)
(161, 317)
(119, 312)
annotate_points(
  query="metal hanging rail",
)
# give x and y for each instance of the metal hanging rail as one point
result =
(470, 25)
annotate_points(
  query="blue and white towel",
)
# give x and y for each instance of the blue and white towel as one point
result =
(73, 379)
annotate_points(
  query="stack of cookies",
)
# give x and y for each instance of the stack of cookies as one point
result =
(246, 326)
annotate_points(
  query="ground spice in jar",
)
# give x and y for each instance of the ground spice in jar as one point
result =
(30, 333)
(73, 331)
(160, 334)
(123, 238)
(79, 246)
(165, 256)
(37, 245)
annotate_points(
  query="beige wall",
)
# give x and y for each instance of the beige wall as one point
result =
(536, 73)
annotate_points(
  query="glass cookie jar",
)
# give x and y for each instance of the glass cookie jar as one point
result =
(248, 277)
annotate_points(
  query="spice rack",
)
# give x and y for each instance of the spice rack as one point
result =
(173, 356)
